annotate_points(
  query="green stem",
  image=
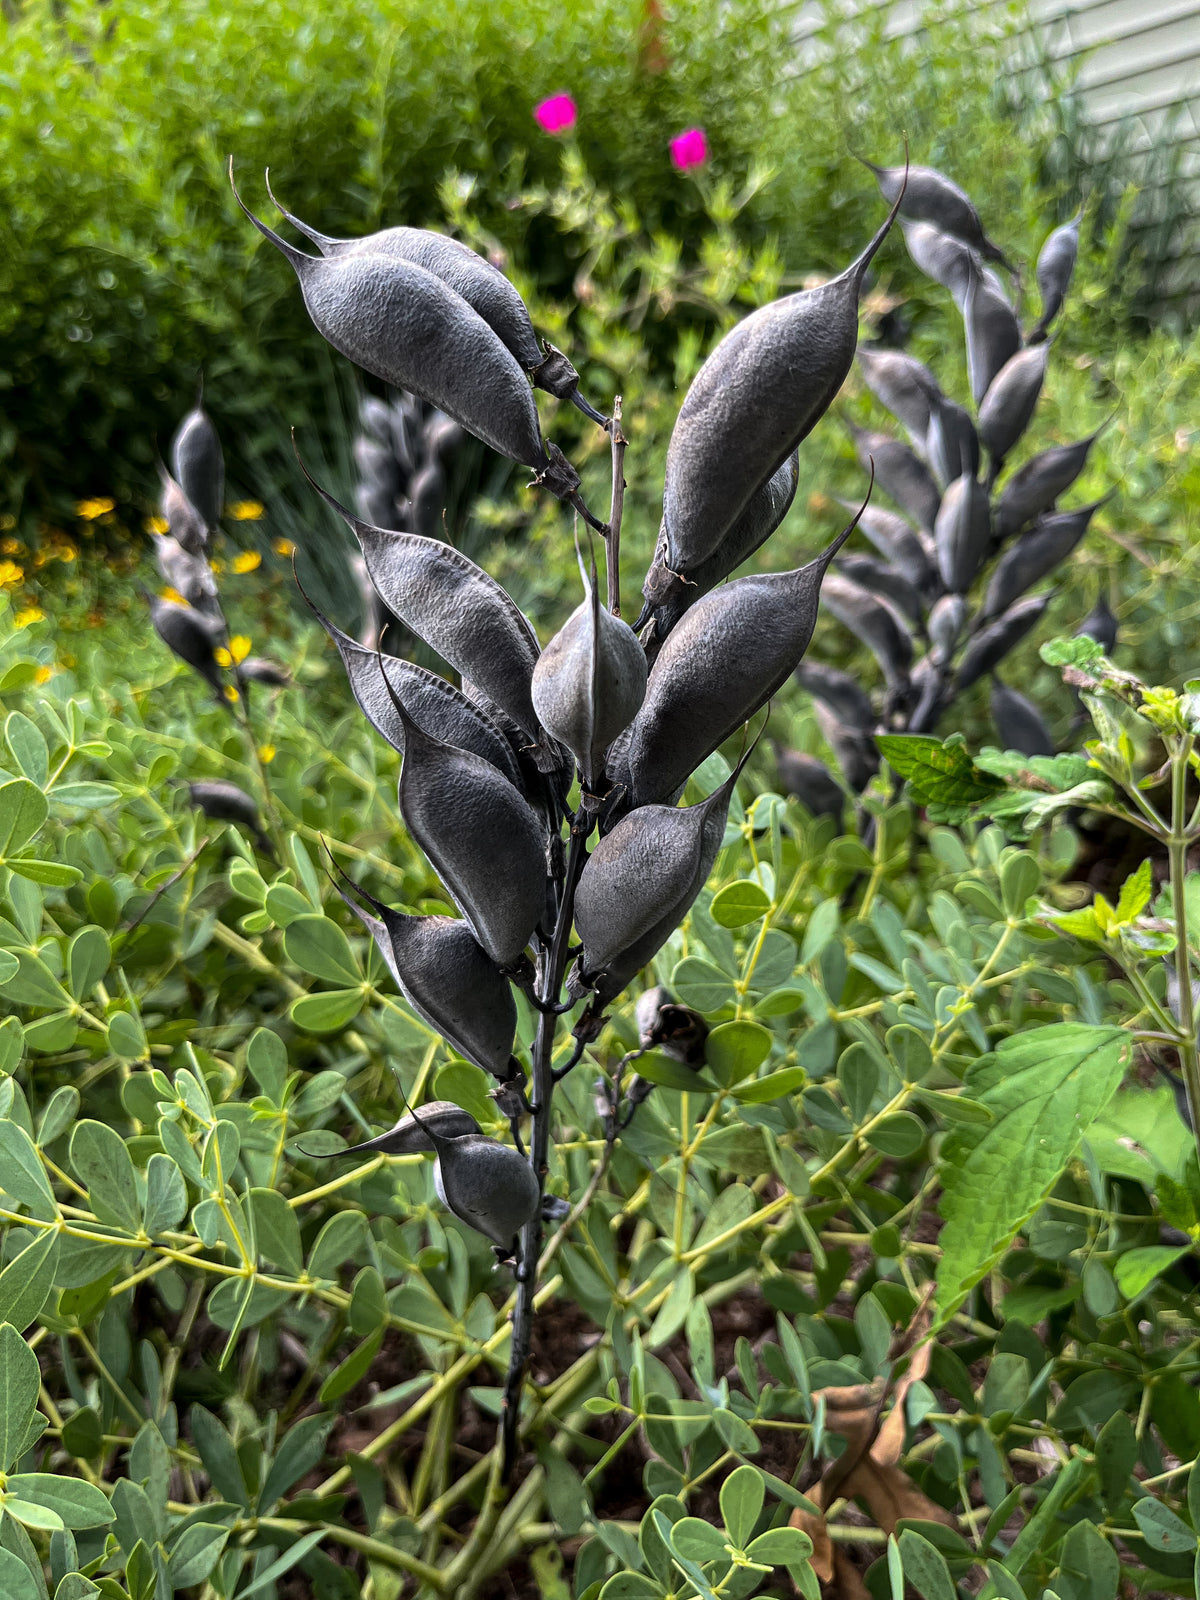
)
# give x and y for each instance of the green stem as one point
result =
(1177, 848)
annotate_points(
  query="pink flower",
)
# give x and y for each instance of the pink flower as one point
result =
(689, 150)
(555, 115)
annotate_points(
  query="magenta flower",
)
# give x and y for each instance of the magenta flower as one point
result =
(689, 150)
(555, 115)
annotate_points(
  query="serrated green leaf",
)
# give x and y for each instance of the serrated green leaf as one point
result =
(941, 774)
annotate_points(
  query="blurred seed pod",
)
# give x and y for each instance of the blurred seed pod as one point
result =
(676, 1030)
(199, 466)
(189, 575)
(1036, 554)
(854, 750)
(952, 443)
(948, 261)
(875, 624)
(1010, 401)
(1019, 723)
(192, 636)
(225, 802)
(1100, 624)
(963, 533)
(900, 545)
(1055, 268)
(898, 473)
(1036, 485)
(810, 781)
(989, 647)
(946, 622)
(905, 386)
(184, 523)
(931, 197)
(993, 335)
(839, 691)
(884, 580)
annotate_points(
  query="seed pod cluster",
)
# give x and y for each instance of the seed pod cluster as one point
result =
(948, 593)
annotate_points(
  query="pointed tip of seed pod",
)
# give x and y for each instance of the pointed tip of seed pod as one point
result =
(321, 240)
(318, 1155)
(355, 524)
(343, 877)
(297, 258)
(827, 555)
(856, 271)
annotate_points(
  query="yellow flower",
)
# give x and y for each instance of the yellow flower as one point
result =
(239, 647)
(266, 753)
(246, 561)
(27, 615)
(222, 657)
(89, 510)
(10, 574)
(217, 566)
(283, 547)
(245, 511)
(67, 551)
(12, 547)
(43, 675)
(231, 694)
(157, 525)
(173, 595)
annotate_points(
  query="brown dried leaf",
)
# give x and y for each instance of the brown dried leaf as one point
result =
(890, 1494)
(847, 1585)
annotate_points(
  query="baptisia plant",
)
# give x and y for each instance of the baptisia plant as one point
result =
(544, 787)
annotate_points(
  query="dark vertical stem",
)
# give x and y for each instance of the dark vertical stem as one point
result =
(613, 537)
(551, 968)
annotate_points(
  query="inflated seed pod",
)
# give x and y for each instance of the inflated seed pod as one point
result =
(898, 473)
(1011, 400)
(225, 802)
(905, 386)
(184, 523)
(200, 465)
(488, 1186)
(376, 461)
(589, 681)
(638, 885)
(406, 326)
(940, 256)
(481, 835)
(375, 418)
(946, 621)
(898, 542)
(443, 436)
(726, 657)
(930, 196)
(1035, 555)
(810, 781)
(839, 691)
(993, 334)
(663, 1024)
(427, 501)
(669, 594)
(192, 636)
(952, 445)
(1100, 624)
(473, 277)
(433, 703)
(1035, 487)
(856, 753)
(963, 533)
(459, 610)
(884, 580)
(761, 391)
(258, 669)
(875, 624)
(1055, 267)
(448, 980)
(189, 575)
(1019, 723)
(989, 647)
(408, 1137)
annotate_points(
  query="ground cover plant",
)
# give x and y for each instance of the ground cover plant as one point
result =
(862, 1252)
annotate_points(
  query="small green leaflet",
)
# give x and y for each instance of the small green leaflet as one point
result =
(943, 777)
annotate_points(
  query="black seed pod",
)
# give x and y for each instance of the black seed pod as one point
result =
(899, 543)
(948, 261)
(482, 836)
(1035, 555)
(192, 636)
(225, 802)
(946, 621)
(427, 501)
(669, 594)
(810, 781)
(761, 391)
(875, 623)
(258, 669)
(1011, 400)
(952, 444)
(398, 321)
(410, 1137)
(434, 704)
(898, 473)
(724, 660)
(639, 884)
(189, 575)
(839, 691)
(989, 647)
(1055, 267)
(484, 287)
(676, 1030)
(448, 980)
(590, 681)
(1035, 486)
(884, 580)
(855, 751)
(200, 466)
(963, 533)
(459, 610)
(993, 334)
(1101, 625)
(487, 1185)
(1019, 723)
(906, 387)
(184, 523)
(932, 197)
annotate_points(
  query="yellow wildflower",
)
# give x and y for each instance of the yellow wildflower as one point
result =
(217, 566)
(266, 753)
(11, 547)
(231, 694)
(89, 510)
(222, 657)
(26, 615)
(157, 525)
(173, 595)
(283, 547)
(43, 675)
(10, 574)
(246, 561)
(245, 511)
(239, 647)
